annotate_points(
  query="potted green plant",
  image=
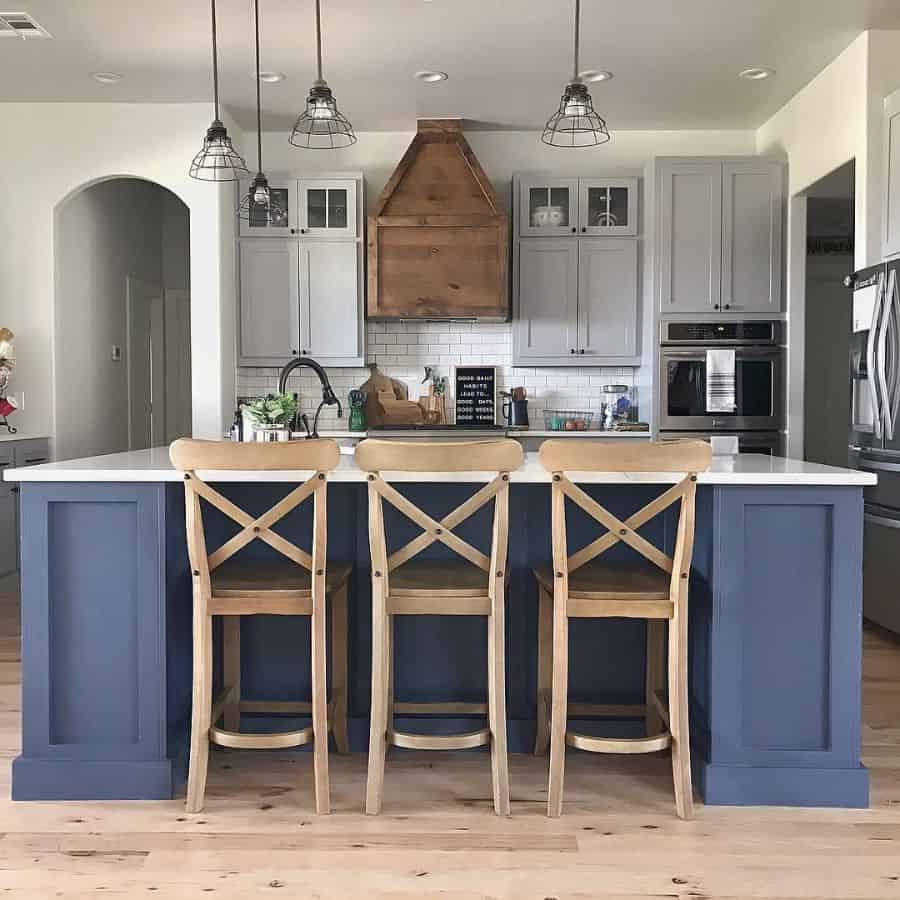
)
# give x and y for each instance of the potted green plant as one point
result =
(272, 416)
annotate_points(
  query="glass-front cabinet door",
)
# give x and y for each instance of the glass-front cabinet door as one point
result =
(327, 208)
(284, 218)
(607, 206)
(548, 206)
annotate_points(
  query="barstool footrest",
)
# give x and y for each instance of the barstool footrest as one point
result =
(464, 741)
(279, 740)
(619, 745)
(439, 708)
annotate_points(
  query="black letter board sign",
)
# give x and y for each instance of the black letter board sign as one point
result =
(476, 395)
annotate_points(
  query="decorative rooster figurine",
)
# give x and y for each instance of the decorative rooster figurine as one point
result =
(7, 364)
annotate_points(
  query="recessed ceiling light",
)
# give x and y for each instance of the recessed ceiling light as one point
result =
(106, 77)
(595, 75)
(756, 73)
(271, 77)
(431, 77)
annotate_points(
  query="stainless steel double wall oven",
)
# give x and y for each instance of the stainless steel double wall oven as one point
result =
(758, 416)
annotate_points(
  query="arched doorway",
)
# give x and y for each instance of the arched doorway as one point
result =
(122, 338)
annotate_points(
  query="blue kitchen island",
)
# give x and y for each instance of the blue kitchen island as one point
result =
(775, 623)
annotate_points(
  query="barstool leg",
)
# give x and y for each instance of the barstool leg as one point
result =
(231, 641)
(678, 717)
(319, 705)
(558, 709)
(497, 703)
(656, 662)
(545, 671)
(380, 688)
(201, 708)
(339, 668)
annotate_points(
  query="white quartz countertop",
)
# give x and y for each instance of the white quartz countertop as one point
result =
(23, 436)
(153, 466)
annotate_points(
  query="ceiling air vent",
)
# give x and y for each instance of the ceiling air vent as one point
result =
(20, 24)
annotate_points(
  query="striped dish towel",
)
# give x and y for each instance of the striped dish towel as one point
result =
(720, 381)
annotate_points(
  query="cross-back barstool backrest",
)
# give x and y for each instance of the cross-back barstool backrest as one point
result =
(499, 457)
(686, 458)
(315, 456)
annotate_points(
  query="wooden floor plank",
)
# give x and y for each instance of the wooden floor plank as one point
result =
(438, 837)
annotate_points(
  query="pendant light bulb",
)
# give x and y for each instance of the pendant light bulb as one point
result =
(258, 207)
(575, 123)
(217, 160)
(321, 126)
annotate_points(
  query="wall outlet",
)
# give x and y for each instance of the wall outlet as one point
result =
(116, 353)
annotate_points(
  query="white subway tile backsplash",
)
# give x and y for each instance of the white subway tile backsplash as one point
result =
(402, 349)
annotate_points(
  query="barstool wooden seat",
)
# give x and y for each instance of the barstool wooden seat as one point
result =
(471, 586)
(296, 584)
(654, 587)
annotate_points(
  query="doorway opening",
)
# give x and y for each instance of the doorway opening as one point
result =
(827, 322)
(122, 335)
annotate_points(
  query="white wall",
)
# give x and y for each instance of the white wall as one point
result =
(501, 153)
(48, 151)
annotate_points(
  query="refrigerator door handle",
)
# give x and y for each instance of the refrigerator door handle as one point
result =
(871, 370)
(892, 331)
(884, 521)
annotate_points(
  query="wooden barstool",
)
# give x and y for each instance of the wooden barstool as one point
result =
(295, 586)
(471, 586)
(577, 586)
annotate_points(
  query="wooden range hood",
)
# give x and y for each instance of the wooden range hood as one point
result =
(438, 240)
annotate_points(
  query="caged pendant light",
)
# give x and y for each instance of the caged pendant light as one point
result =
(321, 126)
(258, 206)
(575, 123)
(217, 159)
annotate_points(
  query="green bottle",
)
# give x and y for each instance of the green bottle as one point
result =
(357, 415)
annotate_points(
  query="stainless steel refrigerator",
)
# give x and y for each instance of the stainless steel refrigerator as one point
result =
(875, 433)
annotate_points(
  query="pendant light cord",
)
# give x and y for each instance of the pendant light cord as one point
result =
(319, 39)
(258, 97)
(577, 31)
(215, 49)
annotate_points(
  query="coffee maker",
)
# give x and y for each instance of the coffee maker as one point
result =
(515, 407)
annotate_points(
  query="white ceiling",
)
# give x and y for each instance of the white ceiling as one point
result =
(675, 61)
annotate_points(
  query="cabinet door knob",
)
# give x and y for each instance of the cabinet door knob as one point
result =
(581, 351)
(727, 306)
(293, 352)
(302, 231)
(574, 230)
(715, 306)
(583, 228)
(572, 350)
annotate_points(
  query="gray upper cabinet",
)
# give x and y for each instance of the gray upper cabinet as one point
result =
(576, 297)
(720, 234)
(892, 175)
(547, 320)
(302, 295)
(689, 237)
(607, 207)
(608, 313)
(752, 197)
(283, 222)
(270, 302)
(548, 206)
(330, 326)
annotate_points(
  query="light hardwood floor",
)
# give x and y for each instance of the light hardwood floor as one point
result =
(438, 835)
